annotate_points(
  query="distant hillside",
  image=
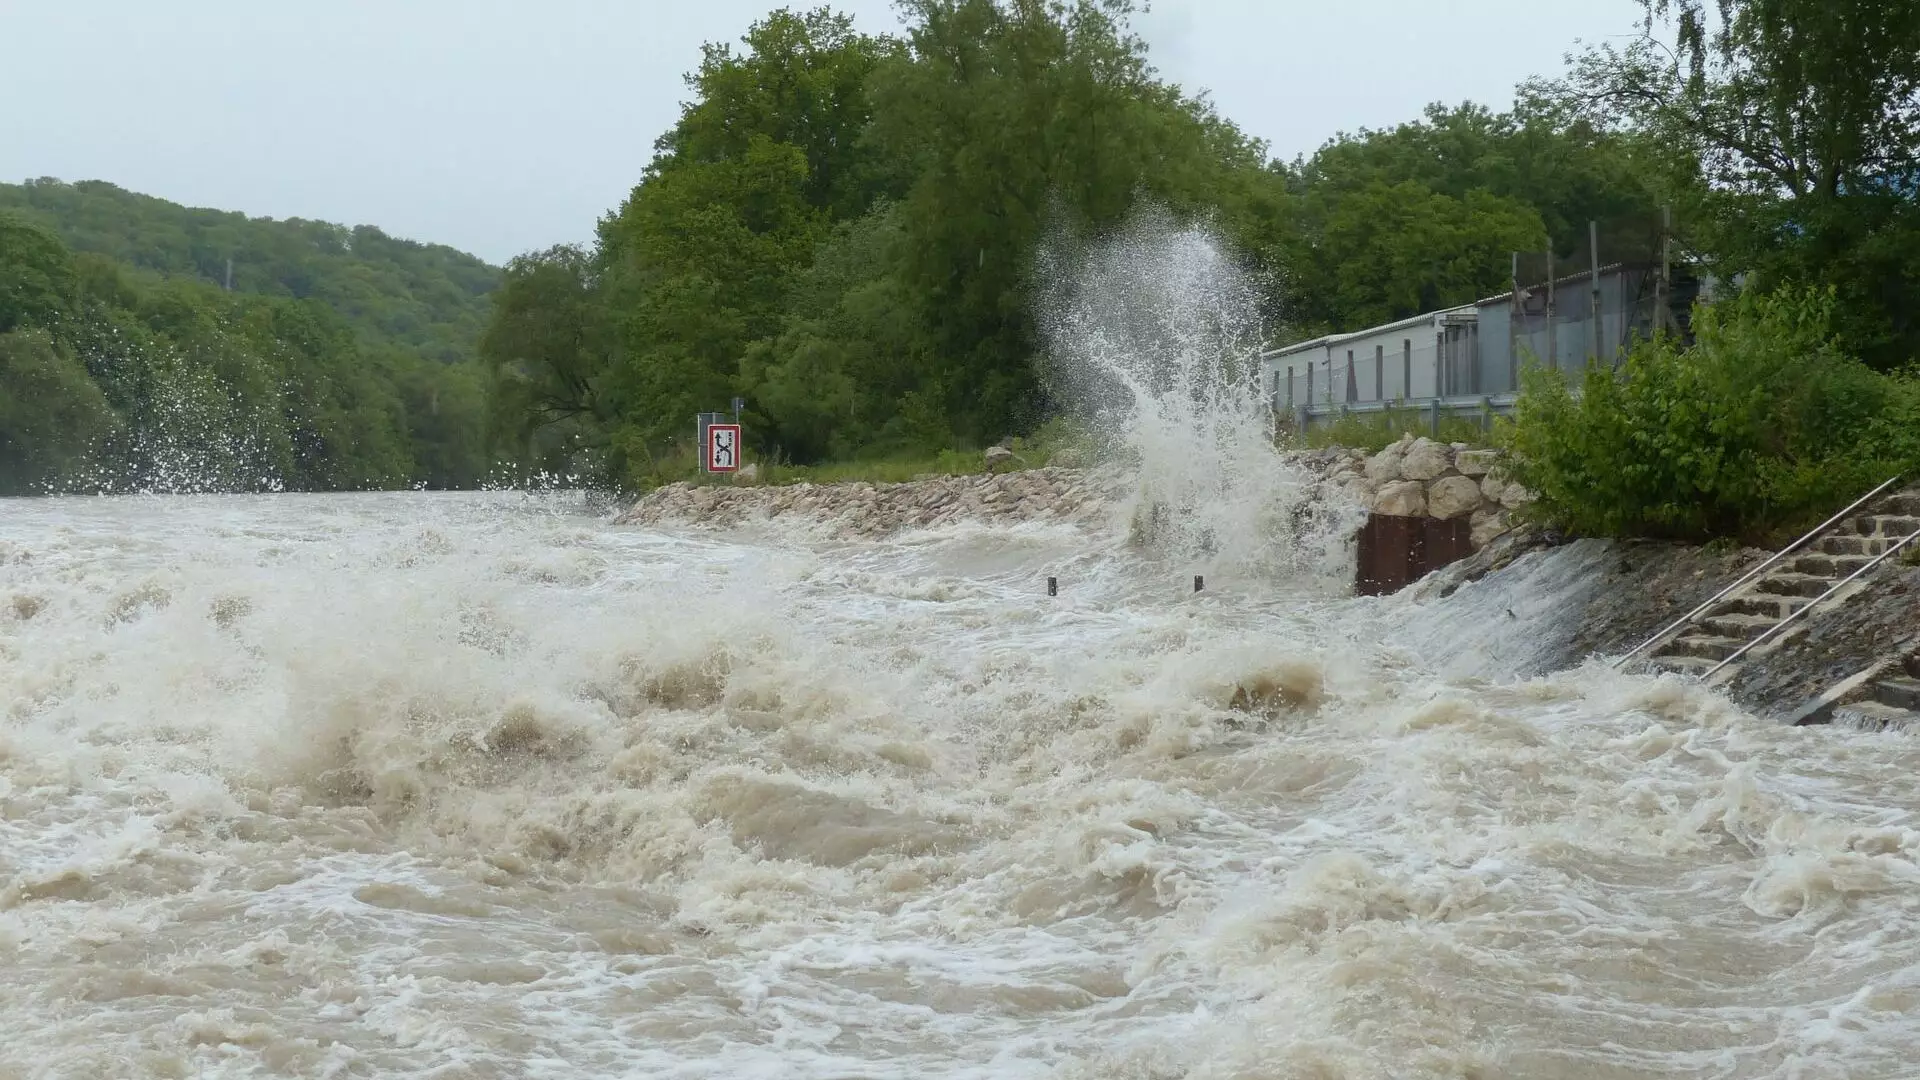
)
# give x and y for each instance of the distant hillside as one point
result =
(426, 299)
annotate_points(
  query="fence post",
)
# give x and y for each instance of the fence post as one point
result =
(1513, 326)
(1553, 333)
(1433, 411)
(1599, 339)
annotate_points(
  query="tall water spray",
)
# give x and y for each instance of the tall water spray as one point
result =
(1155, 335)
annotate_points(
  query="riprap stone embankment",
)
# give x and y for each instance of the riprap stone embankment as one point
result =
(870, 511)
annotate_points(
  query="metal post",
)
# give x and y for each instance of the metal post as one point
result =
(1663, 313)
(1053, 586)
(1199, 582)
(1593, 256)
(1433, 417)
(1513, 327)
(1553, 332)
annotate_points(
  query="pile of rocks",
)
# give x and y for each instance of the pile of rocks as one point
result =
(874, 510)
(1424, 478)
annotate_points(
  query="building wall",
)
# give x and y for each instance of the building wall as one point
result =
(1446, 355)
(1389, 364)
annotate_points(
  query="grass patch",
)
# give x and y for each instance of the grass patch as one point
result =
(1059, 441)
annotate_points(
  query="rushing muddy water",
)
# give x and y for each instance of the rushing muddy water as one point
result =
(477, 786)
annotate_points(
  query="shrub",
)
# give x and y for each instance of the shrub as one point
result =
(1760, 426)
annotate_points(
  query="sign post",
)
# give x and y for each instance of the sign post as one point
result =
(722, 448)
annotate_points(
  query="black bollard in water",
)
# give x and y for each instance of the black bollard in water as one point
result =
(1199, 582)
(1053, 586)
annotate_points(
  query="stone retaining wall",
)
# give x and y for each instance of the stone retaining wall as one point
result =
(1423, 478)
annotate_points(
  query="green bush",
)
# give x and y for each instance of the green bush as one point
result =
(1760, 426)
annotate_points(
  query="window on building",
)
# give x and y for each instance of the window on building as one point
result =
(1406, 368)
(1380, 373)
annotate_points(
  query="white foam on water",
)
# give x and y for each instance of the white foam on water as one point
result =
(429, 785)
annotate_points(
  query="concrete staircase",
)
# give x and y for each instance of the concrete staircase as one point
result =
(1890, 701)
(1700, 645)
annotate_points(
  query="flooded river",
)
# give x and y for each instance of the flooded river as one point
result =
(479, 786)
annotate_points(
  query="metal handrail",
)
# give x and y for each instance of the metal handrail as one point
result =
(1836, 587)
(1756, 571)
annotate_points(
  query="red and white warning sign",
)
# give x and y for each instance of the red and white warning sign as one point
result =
(723, 448)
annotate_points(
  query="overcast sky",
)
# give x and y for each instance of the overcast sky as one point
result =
(499, 127)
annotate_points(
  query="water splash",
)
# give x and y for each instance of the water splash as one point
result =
(1155, 335)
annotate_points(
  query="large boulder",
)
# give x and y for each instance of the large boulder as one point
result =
(1475, 462)
(1515, 496)
(1402, 498)
(1487, 523)
(1384, 467)
(1493, 487)
(1426, 460)
(998, 458)
(1452, 496)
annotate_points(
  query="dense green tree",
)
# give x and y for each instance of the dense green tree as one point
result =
(52, 415)
(845, 374)
(36, 276)
(695, 266)
(1800, 122)
(801, 81)
(1540, 153)
(548, 354)
(1024, 117)
(1385, 252)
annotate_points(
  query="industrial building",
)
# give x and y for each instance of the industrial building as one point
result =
(1468, 359)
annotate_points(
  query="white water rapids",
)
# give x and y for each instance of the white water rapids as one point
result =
(477, 787)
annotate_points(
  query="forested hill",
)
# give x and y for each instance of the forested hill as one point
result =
(427, 299)
(342, 359)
